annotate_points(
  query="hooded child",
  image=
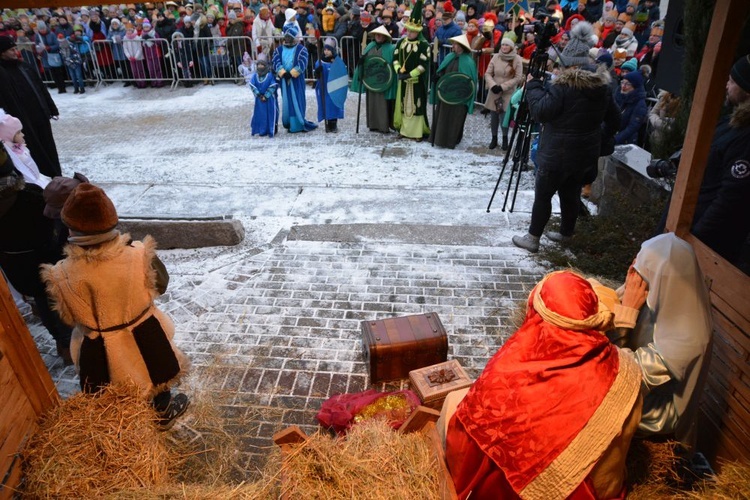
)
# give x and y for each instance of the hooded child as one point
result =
(326, 83)
(184, 53)
(11, 134)
(152, 52)
(263, 85)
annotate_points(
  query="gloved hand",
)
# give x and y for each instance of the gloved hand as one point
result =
(497, 89)
(294, 73)
(412, 79)
(414, 73)
(403, 76)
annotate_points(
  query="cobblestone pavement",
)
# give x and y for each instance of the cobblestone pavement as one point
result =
(289, 335)
(273, 326)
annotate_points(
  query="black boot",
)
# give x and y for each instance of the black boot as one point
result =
(505, 144)
(493, 142)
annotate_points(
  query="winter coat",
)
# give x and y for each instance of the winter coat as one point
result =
(65, 29)
(634, 114)
(81, 43)
(116, 36)
(507, 74)
(50, 44)
(572, 110)
(165, 28)
(721, 213)
(107, 292)
(133, 48)
(27, 237)
(446, 32)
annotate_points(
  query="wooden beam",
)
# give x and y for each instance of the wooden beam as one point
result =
(38, 4)
(724, 280)
(723, 36)
(21, 352)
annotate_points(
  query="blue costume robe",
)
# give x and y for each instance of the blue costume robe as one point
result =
(292, 89)
(266, 113)
(333, 112)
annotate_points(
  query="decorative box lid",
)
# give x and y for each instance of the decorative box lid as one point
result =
(436, 381)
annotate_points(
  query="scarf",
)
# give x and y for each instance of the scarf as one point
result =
(509, 56)
(83, 240)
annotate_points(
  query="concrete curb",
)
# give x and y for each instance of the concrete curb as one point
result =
(424, 234)
(185, 233)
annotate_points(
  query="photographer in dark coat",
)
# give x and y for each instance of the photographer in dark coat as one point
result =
(572, 110)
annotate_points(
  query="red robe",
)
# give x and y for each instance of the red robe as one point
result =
(512, 433)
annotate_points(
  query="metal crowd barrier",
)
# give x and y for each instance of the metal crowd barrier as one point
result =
(158, 62)
(134, 61)
(36, 57)
(208, 59)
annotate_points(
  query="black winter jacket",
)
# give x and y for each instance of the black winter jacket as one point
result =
(721, 214)
(574, 110)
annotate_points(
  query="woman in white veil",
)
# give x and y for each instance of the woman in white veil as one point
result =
(665, 321)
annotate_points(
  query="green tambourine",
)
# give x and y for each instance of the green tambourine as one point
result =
(377, 74)
(456, 88)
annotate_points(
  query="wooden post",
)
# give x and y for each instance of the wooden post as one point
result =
(726, 26)
(22, 354)
(26, 390)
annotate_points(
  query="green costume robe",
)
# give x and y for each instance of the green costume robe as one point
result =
(379, 104)
(412, 57)
(449, 119)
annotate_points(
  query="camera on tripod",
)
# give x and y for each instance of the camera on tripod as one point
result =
(661, 168)
(544, 31)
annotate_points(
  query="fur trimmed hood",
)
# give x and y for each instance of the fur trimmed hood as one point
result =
(741, 115)
(582, 79)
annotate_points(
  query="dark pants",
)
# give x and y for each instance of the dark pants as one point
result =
(567, 184)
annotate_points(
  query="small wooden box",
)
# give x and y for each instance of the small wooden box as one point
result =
(434, 382)
(395, 346)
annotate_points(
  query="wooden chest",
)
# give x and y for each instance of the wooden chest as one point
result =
(434, 382)
(395, 346)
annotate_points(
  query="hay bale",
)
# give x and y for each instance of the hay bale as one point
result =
(94, 445)
(371, 462)
(733, 482)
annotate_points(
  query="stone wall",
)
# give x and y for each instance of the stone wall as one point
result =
(624, 174)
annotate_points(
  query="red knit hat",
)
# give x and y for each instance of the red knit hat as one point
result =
(448, 7)
(89, 210)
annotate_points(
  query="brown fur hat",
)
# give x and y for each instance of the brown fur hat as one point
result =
(89, 210)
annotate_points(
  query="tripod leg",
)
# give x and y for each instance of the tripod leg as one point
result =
(502, 171)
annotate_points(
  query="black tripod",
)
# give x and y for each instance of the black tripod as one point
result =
(520, 138)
